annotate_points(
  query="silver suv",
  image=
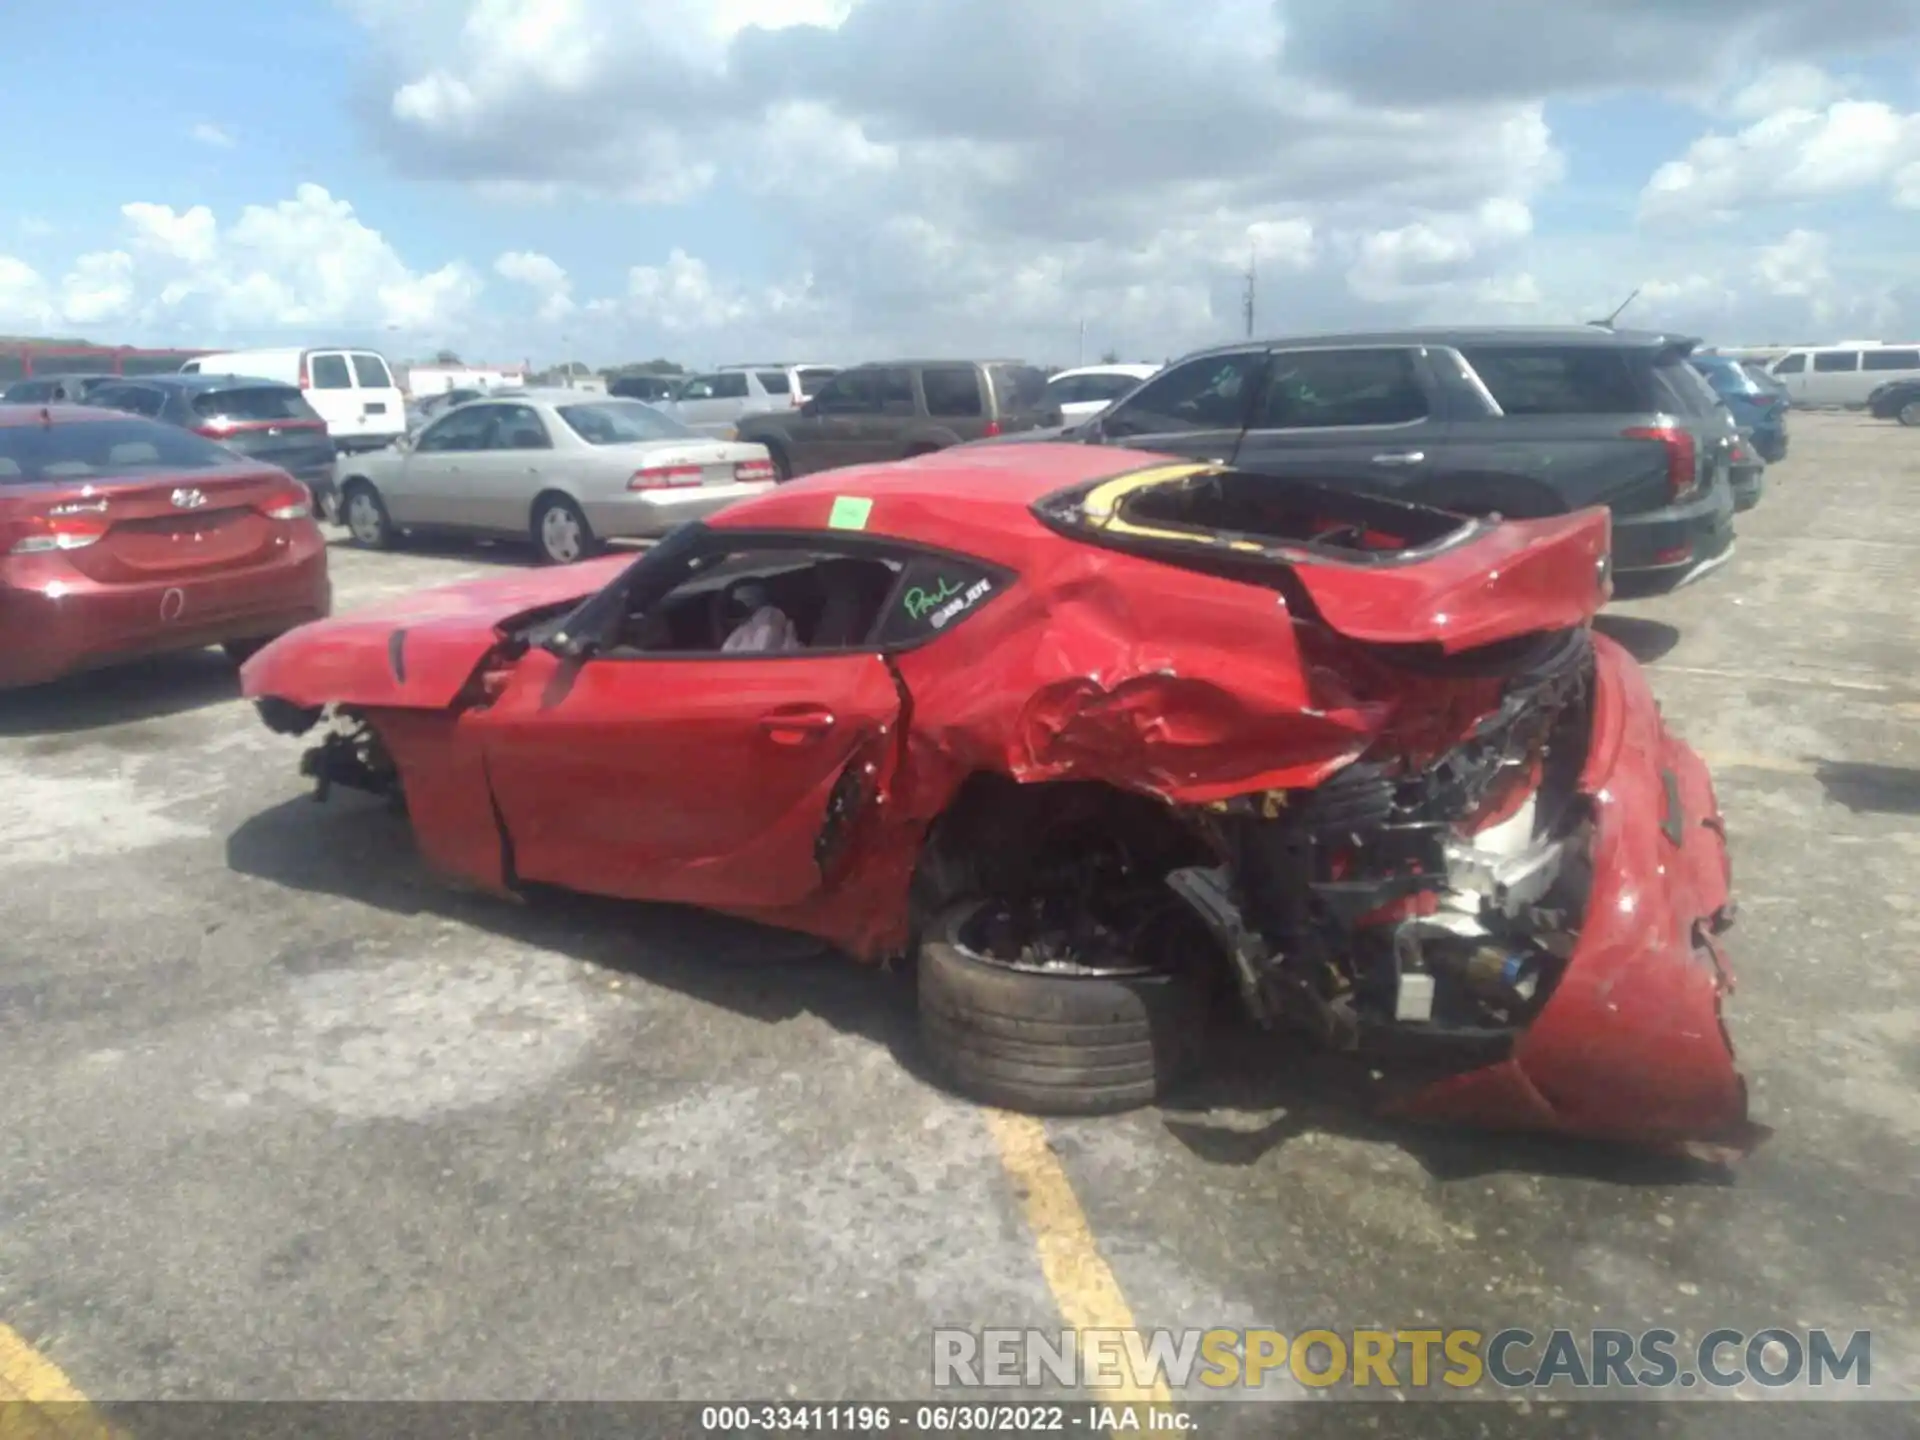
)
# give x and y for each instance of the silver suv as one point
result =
(715, 402)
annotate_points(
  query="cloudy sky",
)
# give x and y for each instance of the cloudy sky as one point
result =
(844, 179)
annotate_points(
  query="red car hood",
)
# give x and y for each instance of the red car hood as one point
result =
(415, 652)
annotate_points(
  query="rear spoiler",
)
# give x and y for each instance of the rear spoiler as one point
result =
(1460, 584)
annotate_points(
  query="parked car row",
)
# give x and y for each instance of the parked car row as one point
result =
(872, 687)
(1520, 423)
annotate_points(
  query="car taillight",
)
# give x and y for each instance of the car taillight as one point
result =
(56, 530)
(305, 381)
(753, 470)
(666, 477)
(992, 427)
(1683, 460)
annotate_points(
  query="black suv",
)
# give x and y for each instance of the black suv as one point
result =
(1523, 421)
(264, 420)
(872, 413)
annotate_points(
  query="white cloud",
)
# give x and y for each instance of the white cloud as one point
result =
(1793, 154)
(99, 287)
(1395, 264)
(1795, 265)
(213, 135)
(306, 262)
(990, 175)
(544, 276)
(1795, 85)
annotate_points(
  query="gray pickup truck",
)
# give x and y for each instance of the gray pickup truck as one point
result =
(1526, 421)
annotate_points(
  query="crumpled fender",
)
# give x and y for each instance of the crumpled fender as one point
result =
(1193, 697)
(1631, 1045)
(416, 652)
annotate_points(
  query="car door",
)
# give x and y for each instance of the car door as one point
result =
(1196, 408)
(1362, 416)
(143, 400)
(503, 479)
(330, 391)
(693, 778)
(879, 431)
(433, 483)
(1834, 376)
(713, 403)
(1791, 372)
(378, 403)
(825, 433)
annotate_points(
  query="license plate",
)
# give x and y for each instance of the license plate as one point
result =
(375, 410)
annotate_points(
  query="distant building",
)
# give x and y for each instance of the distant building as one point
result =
(22, 359)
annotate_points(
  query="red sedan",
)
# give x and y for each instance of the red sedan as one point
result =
(122, 537)
(1093, 736)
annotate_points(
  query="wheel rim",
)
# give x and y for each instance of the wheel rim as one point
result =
(560, 533)
(363, 517)
(971, 939)
(1910, 413)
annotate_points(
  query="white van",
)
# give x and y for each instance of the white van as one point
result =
(1843, 374)
(352, 390)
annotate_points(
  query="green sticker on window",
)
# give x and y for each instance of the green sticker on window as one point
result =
(849, 512)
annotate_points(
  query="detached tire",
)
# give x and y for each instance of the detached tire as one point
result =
(1052, 1044)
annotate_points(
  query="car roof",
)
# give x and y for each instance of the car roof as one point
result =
(911, 364)
(1594, 337)
(976, 499)
(34, 413)
(1136, 371)
(205, 380)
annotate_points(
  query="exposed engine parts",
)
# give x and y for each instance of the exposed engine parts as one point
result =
(1395, 903)
(351, 755)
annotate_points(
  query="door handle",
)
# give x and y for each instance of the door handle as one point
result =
(1400, 457)
(797, 725)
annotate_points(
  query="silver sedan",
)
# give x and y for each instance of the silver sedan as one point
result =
(569, 468)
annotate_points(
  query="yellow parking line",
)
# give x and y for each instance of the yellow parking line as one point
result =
(38, 1401)
(1083, 1286)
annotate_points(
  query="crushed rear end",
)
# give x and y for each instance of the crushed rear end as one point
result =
(1513, 889)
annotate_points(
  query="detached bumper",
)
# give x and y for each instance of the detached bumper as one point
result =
(1631, 1045)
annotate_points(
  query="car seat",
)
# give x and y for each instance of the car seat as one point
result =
(855, 590)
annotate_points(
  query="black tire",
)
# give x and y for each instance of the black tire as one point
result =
(1910, 413)
(782, 466)
(1052, 1044)
(364, 514)
(554, 517)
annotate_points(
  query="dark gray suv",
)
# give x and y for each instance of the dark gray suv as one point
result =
(871, 413)
(1524, 421)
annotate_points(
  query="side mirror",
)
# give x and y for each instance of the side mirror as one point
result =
(809, 409)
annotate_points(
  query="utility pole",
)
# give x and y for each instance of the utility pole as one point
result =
(1251, 276)
(1081, 355)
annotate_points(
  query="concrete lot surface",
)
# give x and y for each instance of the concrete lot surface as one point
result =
(283, 1116)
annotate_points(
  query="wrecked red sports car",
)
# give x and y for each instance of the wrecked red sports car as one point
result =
(1096, 736)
